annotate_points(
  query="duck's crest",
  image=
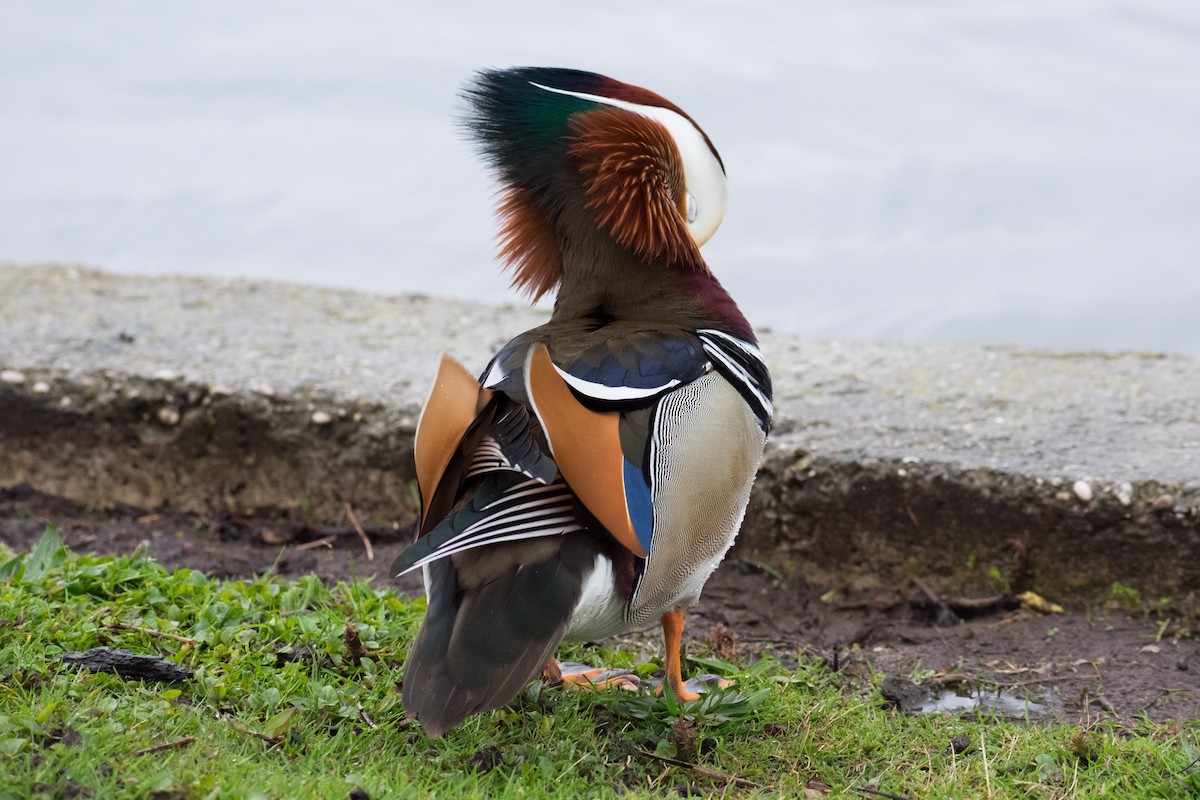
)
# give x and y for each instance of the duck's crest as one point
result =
(559, 138)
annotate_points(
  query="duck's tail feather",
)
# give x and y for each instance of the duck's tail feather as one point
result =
(494, 619)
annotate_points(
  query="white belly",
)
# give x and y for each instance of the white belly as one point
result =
(600, 612)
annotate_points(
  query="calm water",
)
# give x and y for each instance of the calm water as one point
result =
(1008, 171)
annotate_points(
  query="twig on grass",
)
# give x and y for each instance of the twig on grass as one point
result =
(361, 533)
(987, 773)
(370, 530)
(1188, 768)
(1036, 681)
(945, 615)
(122, 626)
(699, 770)
(326, 541)
(1165, 691)
(947, 678)
(877, 793)
(363, 713)
(978, 606)
(928, 591)
(912, 517)
(243, 728)
(158, 748)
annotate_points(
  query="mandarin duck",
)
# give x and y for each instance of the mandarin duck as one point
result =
(590, 481)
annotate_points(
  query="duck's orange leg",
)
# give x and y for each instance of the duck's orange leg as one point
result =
(672, 625)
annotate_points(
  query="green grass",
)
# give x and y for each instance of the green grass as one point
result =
(279, 707)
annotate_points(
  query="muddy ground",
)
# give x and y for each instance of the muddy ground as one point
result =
(1082, 666)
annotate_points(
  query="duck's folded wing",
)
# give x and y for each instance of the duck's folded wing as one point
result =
(450, 423)
(608, 409)
(465, 431)
(595, 410)
(624, 370)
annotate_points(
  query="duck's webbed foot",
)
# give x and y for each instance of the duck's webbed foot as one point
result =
(581, 676)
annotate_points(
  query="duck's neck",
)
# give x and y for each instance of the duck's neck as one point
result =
(604, 281)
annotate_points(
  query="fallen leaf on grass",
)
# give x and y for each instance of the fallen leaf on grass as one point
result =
(269, 536)
(1032, 601)
(278, 725)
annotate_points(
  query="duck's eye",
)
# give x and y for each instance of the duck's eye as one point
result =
(692, 211)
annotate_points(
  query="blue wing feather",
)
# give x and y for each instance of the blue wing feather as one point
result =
(640, 503)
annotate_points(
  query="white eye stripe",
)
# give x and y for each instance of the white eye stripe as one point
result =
(702, 171)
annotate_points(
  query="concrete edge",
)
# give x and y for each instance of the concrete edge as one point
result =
(835, 520)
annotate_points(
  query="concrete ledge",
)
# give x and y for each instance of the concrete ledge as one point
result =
(1064, 472)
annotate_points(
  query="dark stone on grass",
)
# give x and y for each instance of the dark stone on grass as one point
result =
(359, 794)
(485, 759)
(20, 492)
(960, 743)
(127, 664)
(72, 790)
(290, 653)
(65, 736)
(903, 693)
(26, 679)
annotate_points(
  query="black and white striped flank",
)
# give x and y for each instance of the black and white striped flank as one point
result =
(742, 365)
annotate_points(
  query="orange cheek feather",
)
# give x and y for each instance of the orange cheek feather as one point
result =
(633, 178)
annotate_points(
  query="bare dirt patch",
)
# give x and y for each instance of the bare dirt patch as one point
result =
(1082, 666)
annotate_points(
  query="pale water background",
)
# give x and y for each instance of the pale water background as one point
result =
(1008, 171)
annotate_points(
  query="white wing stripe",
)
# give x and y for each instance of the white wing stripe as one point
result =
(533, 488)
(481, 536)
(520, 521)
(511, 538)
(599, 391)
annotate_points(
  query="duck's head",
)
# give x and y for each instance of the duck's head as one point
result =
(561, 140)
